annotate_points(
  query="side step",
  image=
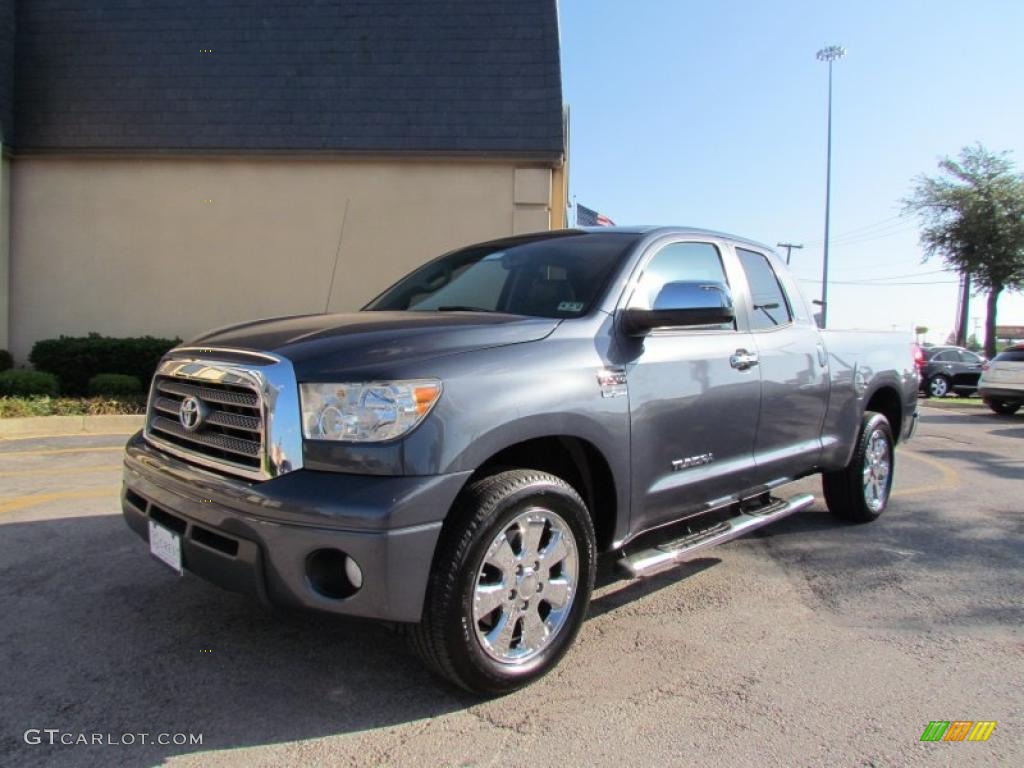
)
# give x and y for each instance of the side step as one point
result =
(647, 562)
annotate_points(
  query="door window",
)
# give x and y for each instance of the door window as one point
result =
(680, 262)
(770, 305)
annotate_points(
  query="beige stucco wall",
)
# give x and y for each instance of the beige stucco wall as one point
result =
(172, 246)
(5, 241)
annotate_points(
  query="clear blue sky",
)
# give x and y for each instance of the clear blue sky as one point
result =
(713, 115)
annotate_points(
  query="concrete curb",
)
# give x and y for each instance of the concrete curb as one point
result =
(53, 426)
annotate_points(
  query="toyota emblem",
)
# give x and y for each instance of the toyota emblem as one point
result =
(191, 413)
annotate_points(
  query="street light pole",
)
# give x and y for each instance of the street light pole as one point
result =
(829, 54)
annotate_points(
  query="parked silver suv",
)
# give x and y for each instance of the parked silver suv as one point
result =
(1002, 381)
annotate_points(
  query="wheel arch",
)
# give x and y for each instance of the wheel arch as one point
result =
(886, 400)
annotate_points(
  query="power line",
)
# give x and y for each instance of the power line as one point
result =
(865, 229)
(909, 274)
(878, 235)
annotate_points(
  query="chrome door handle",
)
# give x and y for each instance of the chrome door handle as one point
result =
(742, 360)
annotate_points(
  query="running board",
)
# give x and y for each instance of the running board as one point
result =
(650, 561)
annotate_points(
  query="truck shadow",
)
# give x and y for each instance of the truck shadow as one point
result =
(99, 638)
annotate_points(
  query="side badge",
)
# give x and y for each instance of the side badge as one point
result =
(692, 461)
(612, 382)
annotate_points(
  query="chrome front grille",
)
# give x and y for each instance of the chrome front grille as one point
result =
(246, 414)
(231, 429)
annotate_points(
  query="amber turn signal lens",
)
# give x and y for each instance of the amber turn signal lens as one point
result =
(425, 397)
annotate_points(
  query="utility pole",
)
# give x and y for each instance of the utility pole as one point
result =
(965, 304)
(789, 248)
(829, 54)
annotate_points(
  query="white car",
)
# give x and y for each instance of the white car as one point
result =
(1001, 385)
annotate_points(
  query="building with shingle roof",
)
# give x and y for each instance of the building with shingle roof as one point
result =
(171, 166)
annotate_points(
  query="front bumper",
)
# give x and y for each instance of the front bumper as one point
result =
(257, 537)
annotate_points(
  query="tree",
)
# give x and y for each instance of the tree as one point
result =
(972, 216)
(920, 331)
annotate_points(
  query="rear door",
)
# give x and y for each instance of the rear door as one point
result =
(794, 374)
(969, 369)
(693, 401)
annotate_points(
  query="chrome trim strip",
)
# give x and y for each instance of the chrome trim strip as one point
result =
(278, 392)
(231, 351)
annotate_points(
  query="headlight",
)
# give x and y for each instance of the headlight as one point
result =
(369, 412)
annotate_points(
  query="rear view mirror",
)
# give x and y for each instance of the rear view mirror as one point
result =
(682, 304)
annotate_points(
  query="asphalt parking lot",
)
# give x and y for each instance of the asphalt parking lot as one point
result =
(810, 643)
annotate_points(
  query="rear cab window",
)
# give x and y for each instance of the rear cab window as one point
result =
(770, 304)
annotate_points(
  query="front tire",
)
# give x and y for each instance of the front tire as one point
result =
(510, 584)
(1002, 407)
(859, 492)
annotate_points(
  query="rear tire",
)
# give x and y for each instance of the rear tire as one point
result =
(510, 584)
(1002, 407)
(938, 386)
(859, 492)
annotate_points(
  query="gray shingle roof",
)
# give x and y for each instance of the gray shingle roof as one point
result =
(6, 70)
(349, 75)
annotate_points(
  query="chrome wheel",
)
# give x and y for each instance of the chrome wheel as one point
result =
(938, 387)
(525, 586)
(877, 468)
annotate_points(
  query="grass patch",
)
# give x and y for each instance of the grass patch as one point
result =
(952, 402)
(13, 407)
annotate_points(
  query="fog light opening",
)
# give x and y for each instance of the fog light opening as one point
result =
(333, 574)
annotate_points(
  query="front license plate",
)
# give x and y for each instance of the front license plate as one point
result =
(165, 546)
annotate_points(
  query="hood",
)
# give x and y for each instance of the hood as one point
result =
(320, 346)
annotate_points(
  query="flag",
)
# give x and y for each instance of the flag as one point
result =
(585, 217)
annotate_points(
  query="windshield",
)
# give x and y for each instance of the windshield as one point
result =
(550, 276)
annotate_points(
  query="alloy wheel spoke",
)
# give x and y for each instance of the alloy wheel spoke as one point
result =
(532, 534)
(487, 598)
(500, 638)
(534, 630)
(502, 558)
(556, 592)
(555, 552)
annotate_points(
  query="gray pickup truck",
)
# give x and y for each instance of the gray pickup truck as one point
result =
(454, 457)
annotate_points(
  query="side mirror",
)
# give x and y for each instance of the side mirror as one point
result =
(682, 304)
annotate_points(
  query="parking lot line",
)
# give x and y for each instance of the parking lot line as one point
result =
(48, 435)
(61, 472)
(18, 503)
(56, 451)
(950, 477)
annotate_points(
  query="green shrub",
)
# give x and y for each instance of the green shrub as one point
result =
(12, 407)
(6, 361)
(114, 385)
(18, 382)
(76, 359)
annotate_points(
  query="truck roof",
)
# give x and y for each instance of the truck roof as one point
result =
(659, 229)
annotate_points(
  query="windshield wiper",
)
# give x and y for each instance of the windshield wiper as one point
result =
(463, 308)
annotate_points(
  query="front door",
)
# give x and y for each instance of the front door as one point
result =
(693, 399)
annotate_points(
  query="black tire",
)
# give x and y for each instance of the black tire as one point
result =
(938, 386)
(1002, 407)
(845, 492)
(447, 637)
